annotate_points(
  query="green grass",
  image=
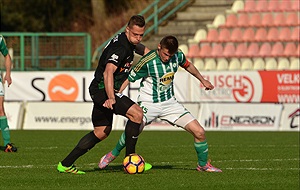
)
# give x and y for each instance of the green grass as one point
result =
(249, 160)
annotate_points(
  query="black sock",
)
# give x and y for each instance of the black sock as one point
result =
(86, 143)
(131, 134)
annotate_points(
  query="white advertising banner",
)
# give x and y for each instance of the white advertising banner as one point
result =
(290, 119)
(63, 116)
(242, 116)
(229, 87)
(14, 113)
(50, 86)
(58, 116)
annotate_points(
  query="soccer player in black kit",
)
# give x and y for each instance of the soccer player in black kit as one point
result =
(112, 71)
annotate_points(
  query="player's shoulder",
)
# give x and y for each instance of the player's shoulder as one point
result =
(151, 55)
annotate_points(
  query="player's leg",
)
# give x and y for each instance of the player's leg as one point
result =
(150, 111)
(126, 107)
(102, 121)
(200, 145)
(176, 114)
(8, 146)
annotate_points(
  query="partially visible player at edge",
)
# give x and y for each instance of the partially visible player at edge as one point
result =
(156, 97)
(8, 146)
(111, 72)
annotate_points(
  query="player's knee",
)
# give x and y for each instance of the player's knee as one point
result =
(137, 116)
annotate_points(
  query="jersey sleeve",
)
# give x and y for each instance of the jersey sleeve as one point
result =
(139, 71)
(183, 62)
(3, 48)
(116, 55)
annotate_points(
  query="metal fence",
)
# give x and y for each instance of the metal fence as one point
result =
(49, 51)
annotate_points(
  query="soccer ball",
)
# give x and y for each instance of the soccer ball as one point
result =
(134, 164)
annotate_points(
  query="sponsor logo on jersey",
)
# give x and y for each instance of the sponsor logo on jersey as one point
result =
(167, 78)
(114, 58)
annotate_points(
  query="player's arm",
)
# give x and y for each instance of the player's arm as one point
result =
(124, 85)
(8, 62)
(140, 49)
(108, 77)
(8, 65)
(195, 72)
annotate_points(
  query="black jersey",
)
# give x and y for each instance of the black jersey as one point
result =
(120, 52)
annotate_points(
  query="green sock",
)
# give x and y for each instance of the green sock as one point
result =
(202, 152)
(119, 146)
(4, 130)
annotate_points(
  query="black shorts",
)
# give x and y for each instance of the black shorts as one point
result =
(102, 116)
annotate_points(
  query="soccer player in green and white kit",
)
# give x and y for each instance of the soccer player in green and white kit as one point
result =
(156, 97)
(8, 146)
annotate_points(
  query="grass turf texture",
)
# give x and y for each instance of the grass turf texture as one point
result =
(249, 160)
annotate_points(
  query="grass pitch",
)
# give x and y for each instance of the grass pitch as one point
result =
(249, 160)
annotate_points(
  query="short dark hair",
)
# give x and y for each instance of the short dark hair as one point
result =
(136, 20)
(170, 43)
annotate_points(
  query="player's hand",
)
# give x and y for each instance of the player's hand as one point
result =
(208, 85)
(8, 79)
(109, 103)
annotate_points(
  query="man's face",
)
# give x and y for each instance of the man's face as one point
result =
(135, 34)
(164, 54)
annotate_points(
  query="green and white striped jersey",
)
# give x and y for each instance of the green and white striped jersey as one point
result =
(3, 48)
(157, 77)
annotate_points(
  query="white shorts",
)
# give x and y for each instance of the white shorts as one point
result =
(169, 111)
(1, 86)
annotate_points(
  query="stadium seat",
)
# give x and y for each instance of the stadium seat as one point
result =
(248, 35)
(193, 51)
(210, 65)
(222, 64)
(290, 50)
(260, 35)
(259, 64)
(261, 6)
(267, 19)
(285, 34)
(298, 51)
(241, 50)
(236, 35)
(229, 50)
(271, 64)
(234, 64)
(200, 34)
(243, 20)
(283, 64)
(296, 5)
(231, 21)
(224, 35)
(199, 64)
(249, 6)
(255, 20)
(238, 5)
(184, 48)
(295, 34)
(273, 5)
(246, 64)
(217, 50)
(277, 49)
(218, 20)
(205, 51)
(295, 65)
(279, 19)
(252, 50)
(265, 50)
(285, 5)
(273, 34)
(212, 35)
(292, 19)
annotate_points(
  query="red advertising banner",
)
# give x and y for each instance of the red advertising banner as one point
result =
(280, 86)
